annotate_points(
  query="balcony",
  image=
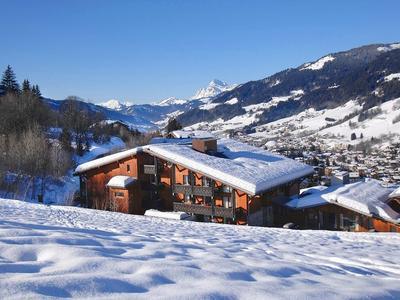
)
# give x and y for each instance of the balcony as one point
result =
(215, 211)
(149, 169)
(205, 191)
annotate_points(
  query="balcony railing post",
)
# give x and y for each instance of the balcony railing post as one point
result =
(214, 211)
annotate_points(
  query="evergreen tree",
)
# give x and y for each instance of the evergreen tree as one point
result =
(172, 125)
(26, 86)
(9, 82)
(36, 91)
(65, 140)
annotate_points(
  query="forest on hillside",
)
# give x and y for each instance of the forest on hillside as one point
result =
(39, 143)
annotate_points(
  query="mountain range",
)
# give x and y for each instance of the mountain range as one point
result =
(359, 74)
(355, 80)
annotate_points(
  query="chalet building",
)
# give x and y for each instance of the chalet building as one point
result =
(394, 200)
(361, 206)
(215, 180)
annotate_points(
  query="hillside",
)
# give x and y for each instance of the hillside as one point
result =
(56, 251)
(367, 76)
(110, 113)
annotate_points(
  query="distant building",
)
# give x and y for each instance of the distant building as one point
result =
(361, 206)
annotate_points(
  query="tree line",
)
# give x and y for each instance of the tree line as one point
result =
(29, 154)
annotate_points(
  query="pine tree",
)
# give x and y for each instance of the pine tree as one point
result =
(9, 82)
(33, 90)
(172, 125)
(65, 140)
(36, 91)
(26, 86)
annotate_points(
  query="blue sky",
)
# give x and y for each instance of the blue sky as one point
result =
(143, 51)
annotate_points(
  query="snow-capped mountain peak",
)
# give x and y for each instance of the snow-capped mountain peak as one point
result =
(116, 104)
(214, 88)
(171, 101)
(112, 104)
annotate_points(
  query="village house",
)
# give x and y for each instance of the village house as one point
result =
(360, 206)
(215, 180)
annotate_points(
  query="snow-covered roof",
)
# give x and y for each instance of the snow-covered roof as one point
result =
(163, 140)
(199, 134)
(309, 197)
(121, 181)
(367, 197)
(395, 193)
(247, 168)
(105, 160)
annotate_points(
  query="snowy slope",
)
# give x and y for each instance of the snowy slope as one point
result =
(52, 251)
(62, 190)
(368, 75)
(334, 125)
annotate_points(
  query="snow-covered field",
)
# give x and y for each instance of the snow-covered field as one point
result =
(55, 251)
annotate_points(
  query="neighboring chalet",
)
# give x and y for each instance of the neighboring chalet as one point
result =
(394, 200)
(361, 206)
(215, 180)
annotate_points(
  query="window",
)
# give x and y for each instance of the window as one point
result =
(207, 201)
(348, 223)
(206, 181)
(370, 224)
(119, 194)
(188, 198)
(226, 189)
(186, 179)
(227, 202)
(128, 168)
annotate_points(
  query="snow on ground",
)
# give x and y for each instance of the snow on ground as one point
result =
(310, 119)
(232, 101)
(209, 106)
(319, 64)
(374, 127)
(62, 190)
(97, 150)
(389, 48)
(173, 215)
(251, 116)
(392, 77)
(323, 122)
(54, 251)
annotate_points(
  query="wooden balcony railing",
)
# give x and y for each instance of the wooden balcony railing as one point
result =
(149, 169)
(215, 211)
(206, 191)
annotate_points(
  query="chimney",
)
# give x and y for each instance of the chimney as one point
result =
(204, 145)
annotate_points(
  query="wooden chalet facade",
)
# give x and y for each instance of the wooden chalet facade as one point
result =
(162, 183)
(334, 217)
(215, 186)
